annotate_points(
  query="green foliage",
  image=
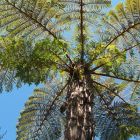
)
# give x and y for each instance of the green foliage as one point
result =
(31, 19)
(117, 118)
(32, 64)
(122, 123)
(41, 118)
(114, 117)
(108, 56)
(111, 60)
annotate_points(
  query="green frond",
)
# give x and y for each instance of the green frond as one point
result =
(114, 117)
(135, 94)
(81, 15)
(31, 64)
(110, 66)
(121, 28)
(29, 18)
(117, 56)
(124, 124)
(41, 117)
(127, 73)
(37, 19)
(123, 25)
(8, 80)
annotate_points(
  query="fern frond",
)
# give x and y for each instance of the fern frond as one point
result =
(128, 72)
(121, 27)
(7, 80)
(123, 24)
(135, 94)
(122, 37)
(29, 18)
(79, 13)
(37, 19)
(124, 124)
(111, 115)
(41, 118)
(32, 63)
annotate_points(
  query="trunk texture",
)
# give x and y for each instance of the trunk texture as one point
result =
(79, 124)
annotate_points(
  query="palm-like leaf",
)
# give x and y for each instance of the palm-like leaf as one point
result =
(82, 14)
(121, 28)
(114, 116)
(123, 24)
(38, 19)
(123, 123)
(79, 13)
(41, 118)
(7, 79)
(115, 58)
(33, 18)
(44, 56)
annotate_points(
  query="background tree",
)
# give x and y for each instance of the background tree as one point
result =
(94, 68)
(2, 135)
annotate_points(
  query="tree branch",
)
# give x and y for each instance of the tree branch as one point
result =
(124, 31)
(119, 78)
(81, 28)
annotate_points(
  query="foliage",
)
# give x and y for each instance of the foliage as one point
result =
(41, 118)
(123, 122)
(33, 64)
(39, 52)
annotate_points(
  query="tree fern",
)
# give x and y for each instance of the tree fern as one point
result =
(98, 70)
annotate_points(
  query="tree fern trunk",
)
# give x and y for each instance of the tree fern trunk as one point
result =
(79, 124)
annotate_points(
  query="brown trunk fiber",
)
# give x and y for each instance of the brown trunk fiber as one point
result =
(79, 124)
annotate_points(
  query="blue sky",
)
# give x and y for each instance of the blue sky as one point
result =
(12, 103)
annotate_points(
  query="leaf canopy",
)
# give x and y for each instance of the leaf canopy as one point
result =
(38, 52)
